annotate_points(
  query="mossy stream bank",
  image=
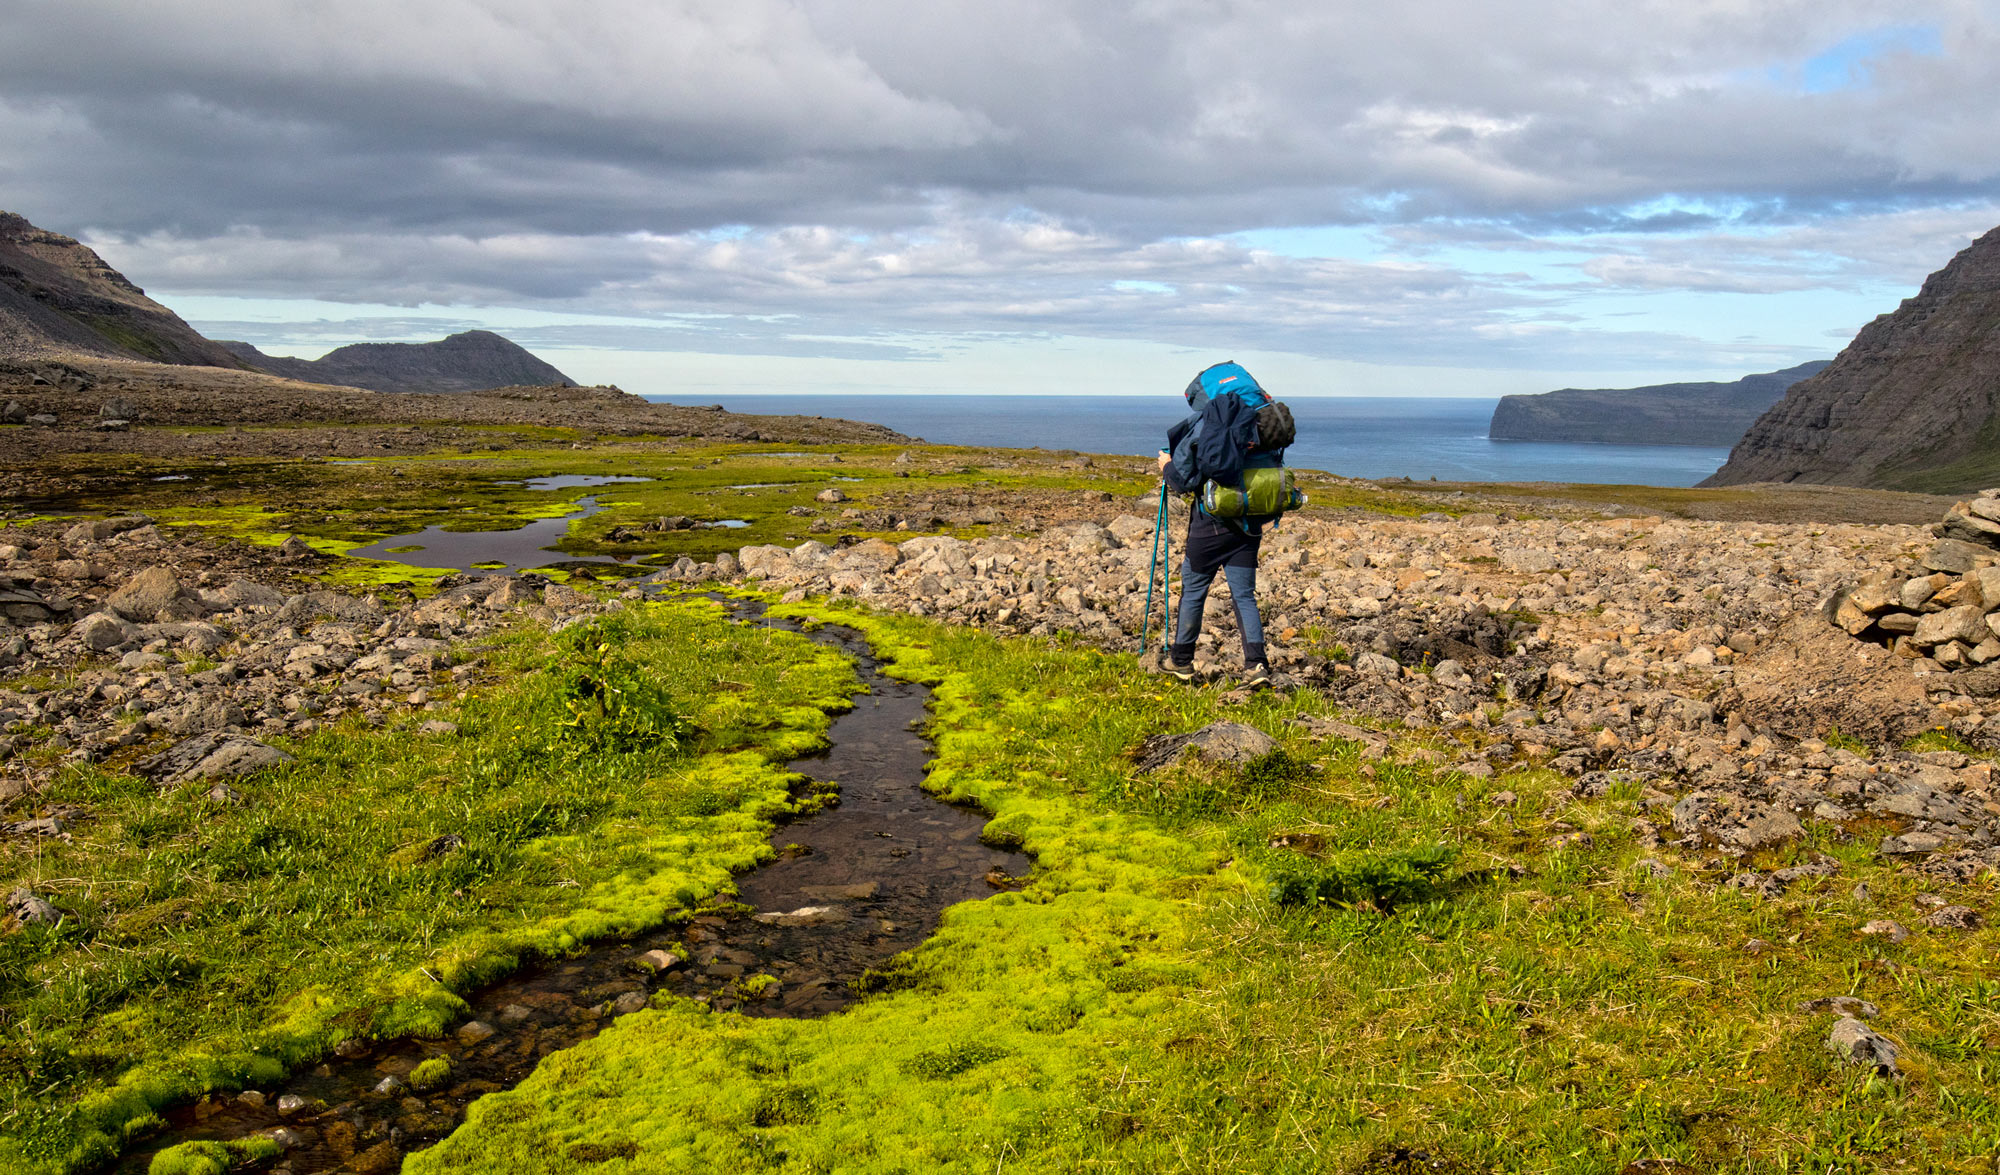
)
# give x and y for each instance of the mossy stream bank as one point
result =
(853, 884)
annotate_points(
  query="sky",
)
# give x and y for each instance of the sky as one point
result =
(700, 197)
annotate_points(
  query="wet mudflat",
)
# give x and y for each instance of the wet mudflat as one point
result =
(853, 885)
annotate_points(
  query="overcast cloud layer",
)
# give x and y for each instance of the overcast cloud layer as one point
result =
(1521, 184)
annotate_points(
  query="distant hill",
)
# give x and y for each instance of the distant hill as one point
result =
(58, 297)
(1913, 403)
(1661, 414)
(470, 361)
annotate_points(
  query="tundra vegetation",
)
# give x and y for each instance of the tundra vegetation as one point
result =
(1344, 955)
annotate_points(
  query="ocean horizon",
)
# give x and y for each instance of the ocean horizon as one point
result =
(1354, 436)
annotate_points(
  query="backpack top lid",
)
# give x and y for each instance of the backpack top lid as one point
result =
(1224, 378)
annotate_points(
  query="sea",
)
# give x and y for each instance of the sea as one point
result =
(1359, 436)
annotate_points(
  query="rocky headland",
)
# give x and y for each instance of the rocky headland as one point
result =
(1659, 414)
(1912, 403)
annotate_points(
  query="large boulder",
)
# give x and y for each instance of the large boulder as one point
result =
(1224, 743)
(96, 530)
(102, 632)
(211, 756)
(1734, 822)
(152, 595)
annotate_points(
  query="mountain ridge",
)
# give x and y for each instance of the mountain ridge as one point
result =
(472, 360)
(57, 296)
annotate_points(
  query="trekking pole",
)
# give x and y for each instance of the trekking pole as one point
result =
(1153, 570)
(1165, 529)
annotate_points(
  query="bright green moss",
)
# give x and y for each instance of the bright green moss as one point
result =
(1465, 981)
(212, 1158)
(215, 947)
(431, 1074)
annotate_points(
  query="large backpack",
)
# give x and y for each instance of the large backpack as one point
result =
(1247, 442)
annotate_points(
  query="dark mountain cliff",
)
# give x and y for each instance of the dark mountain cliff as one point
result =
(1661, 414)
(465, 362)
(57, 297)
(1913, 403)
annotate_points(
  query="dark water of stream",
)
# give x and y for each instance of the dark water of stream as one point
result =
(853, 885)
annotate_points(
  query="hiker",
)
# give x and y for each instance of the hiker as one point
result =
(1217, 449)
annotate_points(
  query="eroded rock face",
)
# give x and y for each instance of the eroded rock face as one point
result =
(1916, 391)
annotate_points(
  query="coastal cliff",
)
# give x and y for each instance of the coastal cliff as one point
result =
(1660, 414)
(1912, 403)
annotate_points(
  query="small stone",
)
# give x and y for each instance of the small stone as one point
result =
(830, 496)
(1757, 946)
(1505, 799)
(1954, 918)
(252, 1098)
(1883, 928)
(1855, 1042)
(1845, 1005)
(474, 1031)
(438, 727)
(290, 1103)
(390, 1086)
(803, 916)
(31, 909)
(628, 1003)
(350, 1049)
(287, 1138)
(658, 960)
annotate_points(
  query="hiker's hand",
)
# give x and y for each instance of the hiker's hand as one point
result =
(1165, 460)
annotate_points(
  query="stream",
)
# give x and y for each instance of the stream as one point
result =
(853, 885)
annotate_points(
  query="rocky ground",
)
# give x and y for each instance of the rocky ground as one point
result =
(183, 658)
(1695, 660)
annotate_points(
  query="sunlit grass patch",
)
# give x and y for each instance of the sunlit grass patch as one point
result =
(205, 945)
(1327, 962)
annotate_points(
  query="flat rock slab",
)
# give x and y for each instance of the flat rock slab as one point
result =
(1230, 743)
(210, 756)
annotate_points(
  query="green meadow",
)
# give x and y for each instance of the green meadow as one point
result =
(1323, 961)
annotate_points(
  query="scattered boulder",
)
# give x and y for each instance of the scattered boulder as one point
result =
(102, 632)
(30, 909)
(1228, 743)
(1733, 822)
(208, 756)
(1856, 1043)
(152, 595)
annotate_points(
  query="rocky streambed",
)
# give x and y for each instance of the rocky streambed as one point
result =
(851, 886)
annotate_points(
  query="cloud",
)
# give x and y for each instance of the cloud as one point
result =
(901, 174)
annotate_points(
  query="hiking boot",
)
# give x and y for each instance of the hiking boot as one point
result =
(1183, 670)
(1256, 673)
